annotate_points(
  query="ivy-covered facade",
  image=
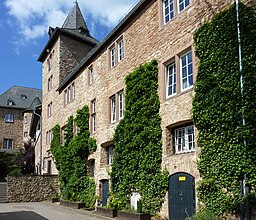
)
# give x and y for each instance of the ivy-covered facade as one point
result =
(138, 85)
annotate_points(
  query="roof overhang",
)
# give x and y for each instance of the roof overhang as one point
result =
(54, 37)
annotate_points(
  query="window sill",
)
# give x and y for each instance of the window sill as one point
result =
(179, 94)
(185, 152)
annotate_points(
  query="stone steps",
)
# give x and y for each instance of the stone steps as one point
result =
(3, 192)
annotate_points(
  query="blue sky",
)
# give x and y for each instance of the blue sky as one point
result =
(23, 32)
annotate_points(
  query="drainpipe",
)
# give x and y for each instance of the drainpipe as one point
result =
(41, 145)
(245, 177)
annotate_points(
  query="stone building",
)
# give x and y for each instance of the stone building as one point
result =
(16, 107)
(78, 70)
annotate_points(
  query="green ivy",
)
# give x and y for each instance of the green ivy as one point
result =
(218, 106)
(71, 159)
(138, 145)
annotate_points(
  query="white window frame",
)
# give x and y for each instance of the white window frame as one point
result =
(120, 46)
(113, 56)
(25, 119)
(49, 110)
(186, 86)
(171, 72)
(184, 141)
(171, 13)
(110, 154)
(121, 104)
(93, 116)
(49, 83)
(183, 2)
(113, 108)
(9, 118)
(8, 143)
(91, 75)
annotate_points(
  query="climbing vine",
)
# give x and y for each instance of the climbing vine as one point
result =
(138, 146)
(71, 159)
(218, 107)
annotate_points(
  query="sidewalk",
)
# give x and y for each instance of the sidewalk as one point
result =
(44, 211)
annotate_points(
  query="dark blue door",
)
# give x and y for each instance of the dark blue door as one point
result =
(105, 191)
(181, 196)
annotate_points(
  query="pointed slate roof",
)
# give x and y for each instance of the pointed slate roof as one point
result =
(73, 27)
(75, 19)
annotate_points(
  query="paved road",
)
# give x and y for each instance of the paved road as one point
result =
(44, 211)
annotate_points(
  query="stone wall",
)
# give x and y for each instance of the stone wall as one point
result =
(11, 130)
(31, 188)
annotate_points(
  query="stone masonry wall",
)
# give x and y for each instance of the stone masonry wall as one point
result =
(31, 188)
(13, 130)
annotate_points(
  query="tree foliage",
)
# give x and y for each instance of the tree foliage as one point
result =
(137, 140)
(71, 159)
(218, 107)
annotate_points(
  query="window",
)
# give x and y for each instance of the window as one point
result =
(91, 167)
(90, 75)
(113, 57)
(178, 74)
(48, 137)
(110, 154)
(171, 8)
(25, 119)
(121, 104)
(170, 79)
(186, 70)
(183, 139)
(116, 52)
(23, 97)
(8, 118)
(183, 4)
(93, 116)
(8, 143)
(49, 110)
(120, 50)
(168, 10)
(10, 102)
(49, 61)
(117, 106)
(25, 134)
(113, 108)
(49, 83)
(69, 94)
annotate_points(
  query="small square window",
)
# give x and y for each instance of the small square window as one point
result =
(183, 4)
(8, 143)
(8, 118)
(183, 139)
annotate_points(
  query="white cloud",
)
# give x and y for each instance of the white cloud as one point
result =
(33, 17)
